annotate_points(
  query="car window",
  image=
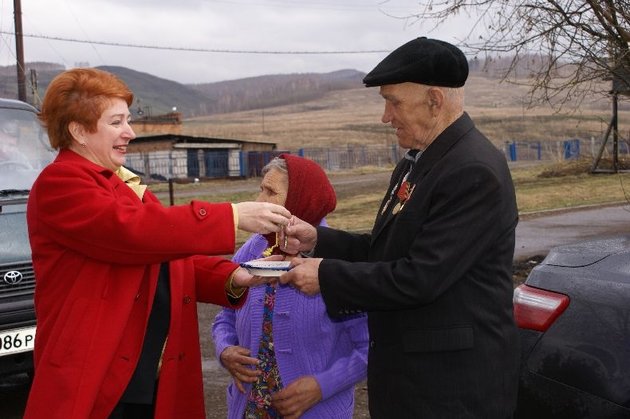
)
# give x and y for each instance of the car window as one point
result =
(24, 149)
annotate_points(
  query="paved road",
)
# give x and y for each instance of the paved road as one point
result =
(536, 234)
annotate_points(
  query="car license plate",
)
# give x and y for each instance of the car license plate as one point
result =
(17, 340)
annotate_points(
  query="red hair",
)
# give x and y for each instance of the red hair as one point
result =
(79, 95)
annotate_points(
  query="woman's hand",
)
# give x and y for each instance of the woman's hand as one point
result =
(242, 367)
(242, 278)
(262, 217)
(296, 398)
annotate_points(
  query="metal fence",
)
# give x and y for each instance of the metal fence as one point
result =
(350, 157)
(562, 150)
(202, 164)
(194, 164)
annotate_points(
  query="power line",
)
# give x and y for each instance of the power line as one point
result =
(212, 50)
(80, 26)
(300, 5)
(334, 5)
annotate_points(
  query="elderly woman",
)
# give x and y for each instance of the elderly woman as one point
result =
(117, 274)
(286, 356)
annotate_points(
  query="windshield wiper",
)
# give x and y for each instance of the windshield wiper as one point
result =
(7, 192)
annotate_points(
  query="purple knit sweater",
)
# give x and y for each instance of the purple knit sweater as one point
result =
(306, 340)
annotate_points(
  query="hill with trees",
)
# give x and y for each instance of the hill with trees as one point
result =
(154, 95)
(275, 90)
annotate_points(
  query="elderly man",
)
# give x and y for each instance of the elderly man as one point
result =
(435, 273)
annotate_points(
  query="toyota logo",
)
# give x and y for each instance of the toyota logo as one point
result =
(13, 277)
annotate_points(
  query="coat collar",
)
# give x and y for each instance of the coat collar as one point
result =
(440, 146)
(70, 157)
(426, 160)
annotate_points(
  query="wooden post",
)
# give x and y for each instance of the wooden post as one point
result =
(19, 50)
(171, 193)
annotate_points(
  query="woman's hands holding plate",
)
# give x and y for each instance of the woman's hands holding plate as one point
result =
(267, 268)
(259, 271)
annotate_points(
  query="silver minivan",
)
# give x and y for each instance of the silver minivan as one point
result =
(24, 152)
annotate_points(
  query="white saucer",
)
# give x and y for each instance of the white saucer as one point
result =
(266, 267)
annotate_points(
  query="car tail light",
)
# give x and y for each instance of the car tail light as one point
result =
(537, 309)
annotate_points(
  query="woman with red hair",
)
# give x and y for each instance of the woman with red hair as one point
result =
(117, 274)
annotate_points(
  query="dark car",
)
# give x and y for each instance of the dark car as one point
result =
(24, 152)
(574, 317)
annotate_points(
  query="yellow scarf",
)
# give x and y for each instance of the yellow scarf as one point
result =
(132, 180)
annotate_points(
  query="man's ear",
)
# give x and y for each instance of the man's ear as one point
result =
(436, 97)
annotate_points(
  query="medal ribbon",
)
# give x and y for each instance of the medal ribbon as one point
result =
(404, 192)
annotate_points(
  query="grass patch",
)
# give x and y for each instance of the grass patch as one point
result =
(356, 213)
(567, 185)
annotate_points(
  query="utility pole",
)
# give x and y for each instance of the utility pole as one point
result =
(34, 94)
(620, 77)
(19, 50)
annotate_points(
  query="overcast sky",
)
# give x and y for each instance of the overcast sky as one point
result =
(258, 34)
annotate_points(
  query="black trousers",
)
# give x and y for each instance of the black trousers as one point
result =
(132, 411)
(138, 400)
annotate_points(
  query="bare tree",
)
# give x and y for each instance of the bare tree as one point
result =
(567, 46)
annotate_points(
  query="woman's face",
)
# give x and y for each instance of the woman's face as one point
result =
(274, 187)
(107, 146)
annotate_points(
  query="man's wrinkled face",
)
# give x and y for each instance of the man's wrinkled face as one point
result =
(407, 110)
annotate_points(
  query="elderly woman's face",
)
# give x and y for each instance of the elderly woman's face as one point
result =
(274, 187)
(107, 146)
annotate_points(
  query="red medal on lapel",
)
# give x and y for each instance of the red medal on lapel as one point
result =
(403, 194)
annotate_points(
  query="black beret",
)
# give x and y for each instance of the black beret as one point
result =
(422, 60)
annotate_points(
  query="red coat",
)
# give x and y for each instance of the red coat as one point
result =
(97, 250)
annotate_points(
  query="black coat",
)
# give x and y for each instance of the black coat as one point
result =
(436, 281)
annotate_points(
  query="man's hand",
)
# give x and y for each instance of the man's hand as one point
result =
(304, 275)
(241, 365)
(262, 217)
(296, 398)
(297, 236)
